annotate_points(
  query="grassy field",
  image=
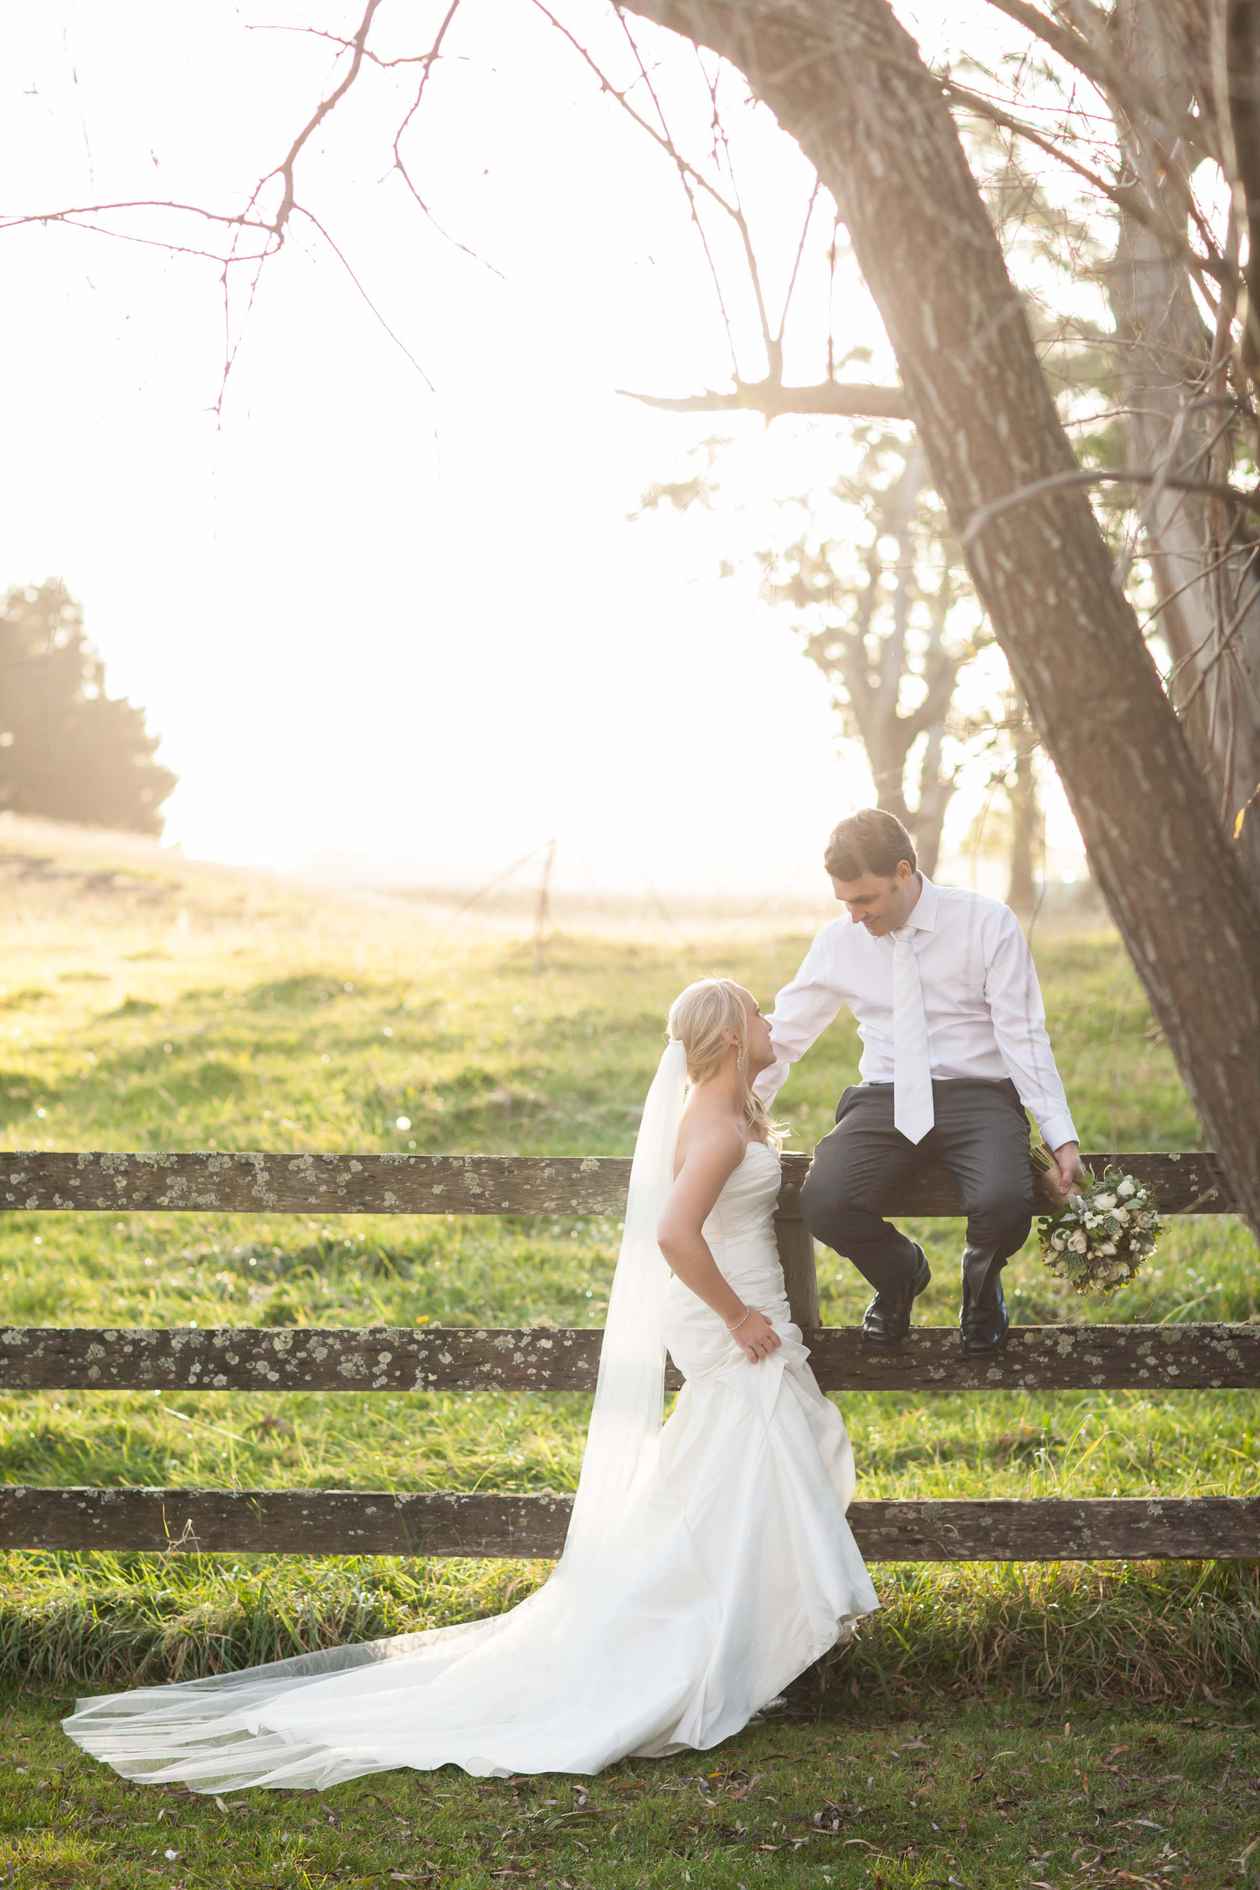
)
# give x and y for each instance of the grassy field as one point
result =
(150, 1002)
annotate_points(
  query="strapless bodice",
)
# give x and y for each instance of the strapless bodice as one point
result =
(744, 1211)
(740, 1232)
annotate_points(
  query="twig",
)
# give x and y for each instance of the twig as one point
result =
(1231, 551)
(312, 218)
(1124, 200)
(697, 177)
(1081, 52)
(339, 39)
(1250, 603)
(430, 59)
(689, 192)
(133, 203)
(1131, 475)
(800, 251)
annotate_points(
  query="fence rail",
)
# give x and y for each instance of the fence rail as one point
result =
(566, 1358)
(197, 1181)
(542, 1358)
(449, 1523)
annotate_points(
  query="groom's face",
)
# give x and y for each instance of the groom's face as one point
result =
(877, 901)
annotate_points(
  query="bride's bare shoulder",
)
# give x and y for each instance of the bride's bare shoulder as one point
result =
(712, 1142)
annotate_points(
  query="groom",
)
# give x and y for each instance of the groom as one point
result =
(955, 1049)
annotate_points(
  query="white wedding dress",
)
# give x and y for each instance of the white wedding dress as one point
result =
(735, 1568)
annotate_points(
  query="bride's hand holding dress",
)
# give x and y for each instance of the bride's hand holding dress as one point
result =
(708, 1154)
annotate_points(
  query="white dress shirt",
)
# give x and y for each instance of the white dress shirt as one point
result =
(985, 1015)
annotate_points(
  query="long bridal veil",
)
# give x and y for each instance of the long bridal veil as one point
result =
(625, 1426)
(549, 1684)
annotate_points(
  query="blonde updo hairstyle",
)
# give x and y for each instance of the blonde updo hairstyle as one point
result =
(702, 1018)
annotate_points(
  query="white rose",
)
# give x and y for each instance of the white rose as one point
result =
(1127, 1187)
(1108, 1246)
(1120, 1214)
(1102, 1201)
(1078, 1243)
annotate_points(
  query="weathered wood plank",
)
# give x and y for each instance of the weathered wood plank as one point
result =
(1045, 1358)
(447, 1523)
(800, 1271)
(197, 1180)
(559, 1358)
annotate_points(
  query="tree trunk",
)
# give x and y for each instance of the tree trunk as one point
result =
(936, 791)
(1163, 364)
(1021, 892)
(853, 91)
(872, 664)
(892, 734)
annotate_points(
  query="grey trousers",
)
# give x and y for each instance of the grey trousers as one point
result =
(980, 1133)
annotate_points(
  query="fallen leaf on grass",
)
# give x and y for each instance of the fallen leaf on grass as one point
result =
(830, 1817)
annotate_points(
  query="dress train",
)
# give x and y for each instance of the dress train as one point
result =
(736, 1569)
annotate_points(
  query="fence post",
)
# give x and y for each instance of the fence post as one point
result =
(796, 1251)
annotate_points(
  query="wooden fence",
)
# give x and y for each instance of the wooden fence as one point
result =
(317, 1522)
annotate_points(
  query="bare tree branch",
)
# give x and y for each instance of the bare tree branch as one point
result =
(689, 192)
(313, 219)
(842, 399)
(605, 85)
(285, 169)
(1079, 50)
(1129, 475)
(339, 39)
(796, 262)
(1224, 645)
(1210, 264)
(773, 344)
(136, 203)
(430, 59)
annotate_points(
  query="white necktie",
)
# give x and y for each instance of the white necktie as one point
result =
(912, 1071)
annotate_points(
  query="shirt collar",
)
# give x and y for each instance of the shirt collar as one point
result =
(924, 913)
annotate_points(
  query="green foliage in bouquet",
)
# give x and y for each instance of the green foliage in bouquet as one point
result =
(1098, 1238)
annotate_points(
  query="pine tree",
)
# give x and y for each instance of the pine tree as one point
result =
(68, 750)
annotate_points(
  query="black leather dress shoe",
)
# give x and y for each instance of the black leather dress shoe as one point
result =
(886, 1320)
(983, 1320)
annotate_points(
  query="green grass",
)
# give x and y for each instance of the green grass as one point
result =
(193, 1008)
(990, 1794)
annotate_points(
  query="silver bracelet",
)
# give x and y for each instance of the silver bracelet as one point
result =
(739, 1322)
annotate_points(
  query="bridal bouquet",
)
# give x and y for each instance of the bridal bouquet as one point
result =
(1099, 1236)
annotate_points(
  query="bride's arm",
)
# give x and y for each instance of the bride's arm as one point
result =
(803, 1009)
(712, 1156)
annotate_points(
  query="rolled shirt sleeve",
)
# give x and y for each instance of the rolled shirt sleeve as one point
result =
(802, 1011)
(1019, 1026)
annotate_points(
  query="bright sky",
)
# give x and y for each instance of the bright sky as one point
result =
(377, 620)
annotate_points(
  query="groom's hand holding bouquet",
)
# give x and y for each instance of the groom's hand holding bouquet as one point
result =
(1098, 1230)
(1060, 1172)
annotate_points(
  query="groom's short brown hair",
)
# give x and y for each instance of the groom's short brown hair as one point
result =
(871, 841)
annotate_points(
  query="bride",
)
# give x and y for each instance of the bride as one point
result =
(707, 1560)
